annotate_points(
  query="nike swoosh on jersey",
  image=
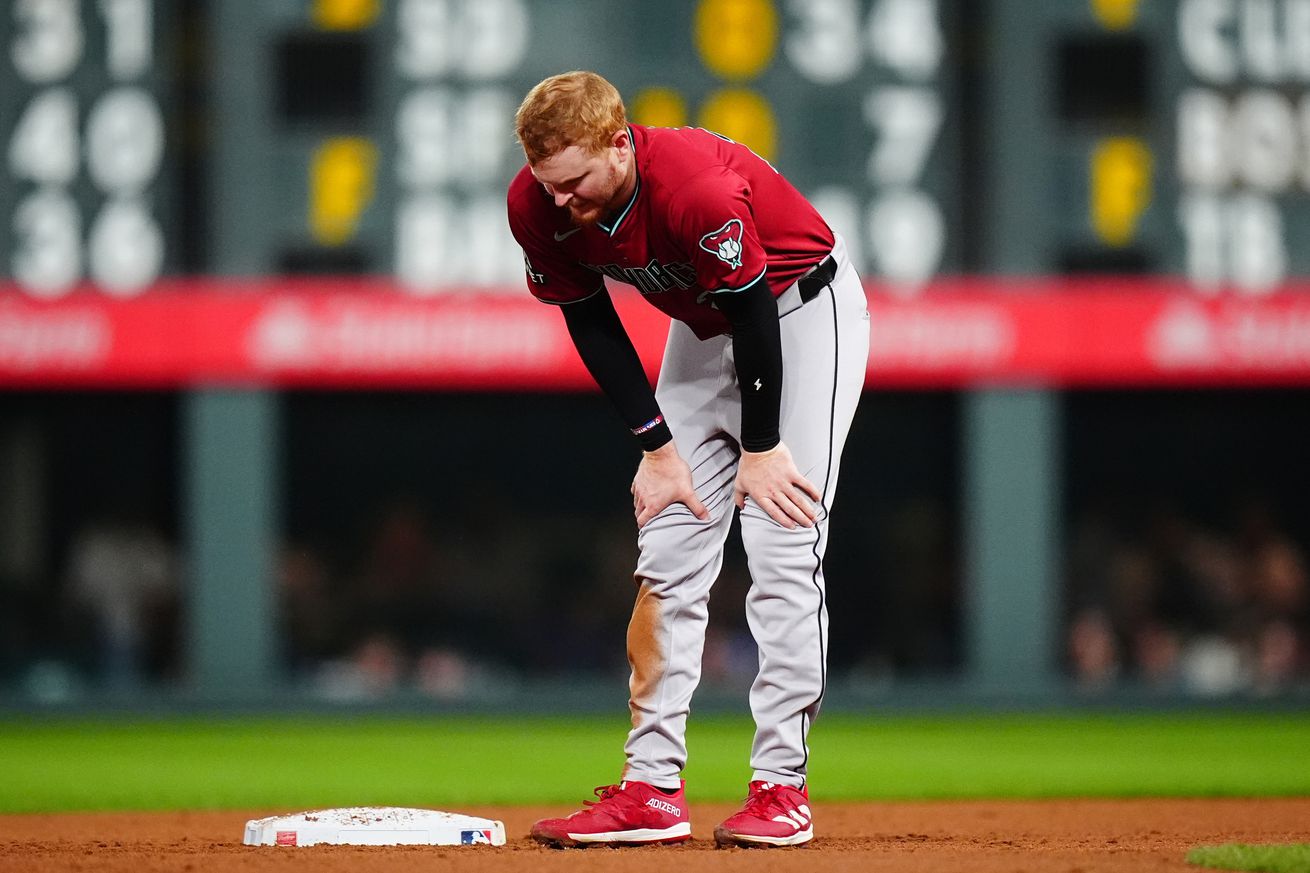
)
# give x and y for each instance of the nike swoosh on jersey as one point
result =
(560, 237)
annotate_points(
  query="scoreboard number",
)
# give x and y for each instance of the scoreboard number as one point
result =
(126, 247)
(124, 140)
(831, 40)
(48, 232)
(478, 39)
(908, 235)
(128, 26)
(908, 121)
(49, 41)
(454, 140)
(121, 143)
(825, 45)
(1243, 141)
(1232, 238)
(904, 35)
(44, 147)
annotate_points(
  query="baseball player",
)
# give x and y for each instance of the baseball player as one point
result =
(763, 369)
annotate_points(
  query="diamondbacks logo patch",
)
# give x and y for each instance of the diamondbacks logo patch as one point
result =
(725, 243)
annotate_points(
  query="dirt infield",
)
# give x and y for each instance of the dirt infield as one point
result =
(1069, 836)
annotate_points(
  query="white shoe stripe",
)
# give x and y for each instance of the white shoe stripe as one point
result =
(636, 835)
(794, 840)
(793, 818)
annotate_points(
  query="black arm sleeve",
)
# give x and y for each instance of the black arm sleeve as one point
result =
(607, 352)
(757, 351)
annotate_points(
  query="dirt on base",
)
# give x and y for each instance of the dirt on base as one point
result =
(1070, 836)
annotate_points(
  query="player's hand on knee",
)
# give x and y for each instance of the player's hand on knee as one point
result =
(773, 482)
(663, 479)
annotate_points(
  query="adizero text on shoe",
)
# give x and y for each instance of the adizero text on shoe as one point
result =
(773, 815)
(627, 814)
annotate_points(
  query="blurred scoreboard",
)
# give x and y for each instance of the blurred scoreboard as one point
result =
(1182, 139)
(87, 185)
(376, 136)
(393, 129)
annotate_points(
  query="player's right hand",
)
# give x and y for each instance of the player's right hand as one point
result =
(663, 479)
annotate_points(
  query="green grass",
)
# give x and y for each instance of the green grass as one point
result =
(280, 763)
(1288, 858)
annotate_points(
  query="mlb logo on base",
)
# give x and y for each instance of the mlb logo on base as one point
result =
(475, 838)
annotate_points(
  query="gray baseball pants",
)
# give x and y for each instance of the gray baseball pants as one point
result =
(825, 346)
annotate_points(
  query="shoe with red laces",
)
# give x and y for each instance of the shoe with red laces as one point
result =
(774, 815)
(627, 814)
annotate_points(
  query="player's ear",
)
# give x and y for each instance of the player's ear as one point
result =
(622, 140)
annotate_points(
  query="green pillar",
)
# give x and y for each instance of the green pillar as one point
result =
(244, 163)
(1016, 168)
(1011, 436)
(231, 445)
(1012, 528)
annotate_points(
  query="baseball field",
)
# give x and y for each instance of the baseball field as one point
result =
(985, 792)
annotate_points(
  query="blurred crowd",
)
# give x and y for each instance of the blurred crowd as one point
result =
(1168, 600)
(445, 610)
(441, 608)
(113, 619)
(418, 604)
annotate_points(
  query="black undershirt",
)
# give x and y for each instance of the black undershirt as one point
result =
(757, 356)
(607, 352)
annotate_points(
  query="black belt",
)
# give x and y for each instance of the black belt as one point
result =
(817, 279)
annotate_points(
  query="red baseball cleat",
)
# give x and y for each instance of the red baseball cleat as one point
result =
(774, 815)
(627, 814)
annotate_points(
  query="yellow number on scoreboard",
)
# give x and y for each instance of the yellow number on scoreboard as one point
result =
(1121, 170)
(1115, 14)
(736, 38)
(742, 115)
(345, 14)
(341, 181)
(659, 107)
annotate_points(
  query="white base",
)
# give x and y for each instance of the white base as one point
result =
(374, 826)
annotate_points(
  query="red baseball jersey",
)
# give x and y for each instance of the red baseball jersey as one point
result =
(708, 214)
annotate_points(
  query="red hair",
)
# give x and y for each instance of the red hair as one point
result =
(577, 108)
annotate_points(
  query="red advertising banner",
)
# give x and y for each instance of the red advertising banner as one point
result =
(365, 334)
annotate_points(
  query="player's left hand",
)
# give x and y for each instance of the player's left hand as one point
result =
(773, 482)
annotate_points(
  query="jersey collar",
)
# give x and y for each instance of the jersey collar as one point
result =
(614, 225)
